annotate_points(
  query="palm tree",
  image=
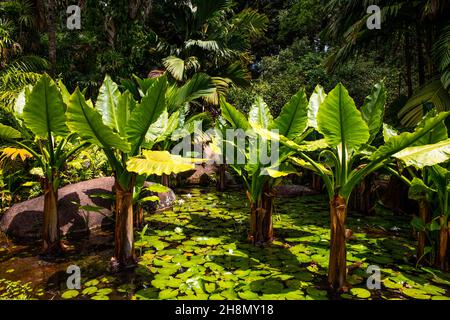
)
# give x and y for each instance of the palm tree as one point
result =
(417, 29)
(209, 37)
(16, 68)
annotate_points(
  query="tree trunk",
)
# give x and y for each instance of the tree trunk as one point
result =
(261, 220)
(316, 182)
(165, 180)
(337, 269)
(51, 30)
(221, 182)
(50, 235)
(420, 57)
(422, 240)
(139, 217)
(443, 245)
(124, 232)
(408, 61)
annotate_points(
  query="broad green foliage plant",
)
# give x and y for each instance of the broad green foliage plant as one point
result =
(260, 178)
(122, 127)
(42, 133)
(348, 134)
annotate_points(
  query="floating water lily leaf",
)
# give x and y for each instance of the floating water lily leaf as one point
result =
(248, 295)
(92, 283)
(168, 294)
(388, 283)
(440, 298)
(294, 295)
(416, 293)
(272, 287)
(316, 294)
(360, 293)
(147, 294)
(69, 294)
(159, 188)
(104, 292)
(100, 297)
(429, 288)
(89, 291)
(210, 287)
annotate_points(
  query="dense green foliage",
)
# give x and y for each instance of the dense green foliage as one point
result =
(341, 102)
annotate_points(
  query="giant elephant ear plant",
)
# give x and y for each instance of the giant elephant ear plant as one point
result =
(42, 131)
(122, 127)
(429, 185)
(261, 177)
(348, 133)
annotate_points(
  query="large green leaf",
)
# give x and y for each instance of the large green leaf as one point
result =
(87, 122)
(7, 132)
(293, 117)
(150, 109)
(159, 163)
(175, 66)
(373, 109)
(424, 156)
(316, 99)
(233, 116)
(125, 106)
(406, 139)
(418, 190)
(438, 133)
(433, 92)
(44, 112)
(200, 85)
(339, 120)
(156, 130)
(107, 102)
(388, 132)
(259, 114)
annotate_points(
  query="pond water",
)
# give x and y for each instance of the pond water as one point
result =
(199, 250)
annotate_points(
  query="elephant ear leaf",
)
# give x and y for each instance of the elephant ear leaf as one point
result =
(7, 132)
(418, 189)
(373, 109)
(159, 163)
(107, 103)
(388, 132)
(293, 117)
(233, 116)
(260, 114)
(316, 99)
(144, 115)
(426, 155)
(44, 112)
(88, 123)
(407, 139)
(437, 134)
(340, 122)
(126, 104)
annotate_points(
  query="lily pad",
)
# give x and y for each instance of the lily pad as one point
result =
(416, 293)
(70, 294)
(360, 293)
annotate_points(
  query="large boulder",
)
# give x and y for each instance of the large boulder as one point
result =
(24, 220)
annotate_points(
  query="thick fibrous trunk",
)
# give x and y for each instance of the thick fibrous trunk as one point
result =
(124, 232)
(50, 235)
(261, 220)
(443, 245)
(337, 269)
(422, 240)
(221, 182)
(165, 180)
